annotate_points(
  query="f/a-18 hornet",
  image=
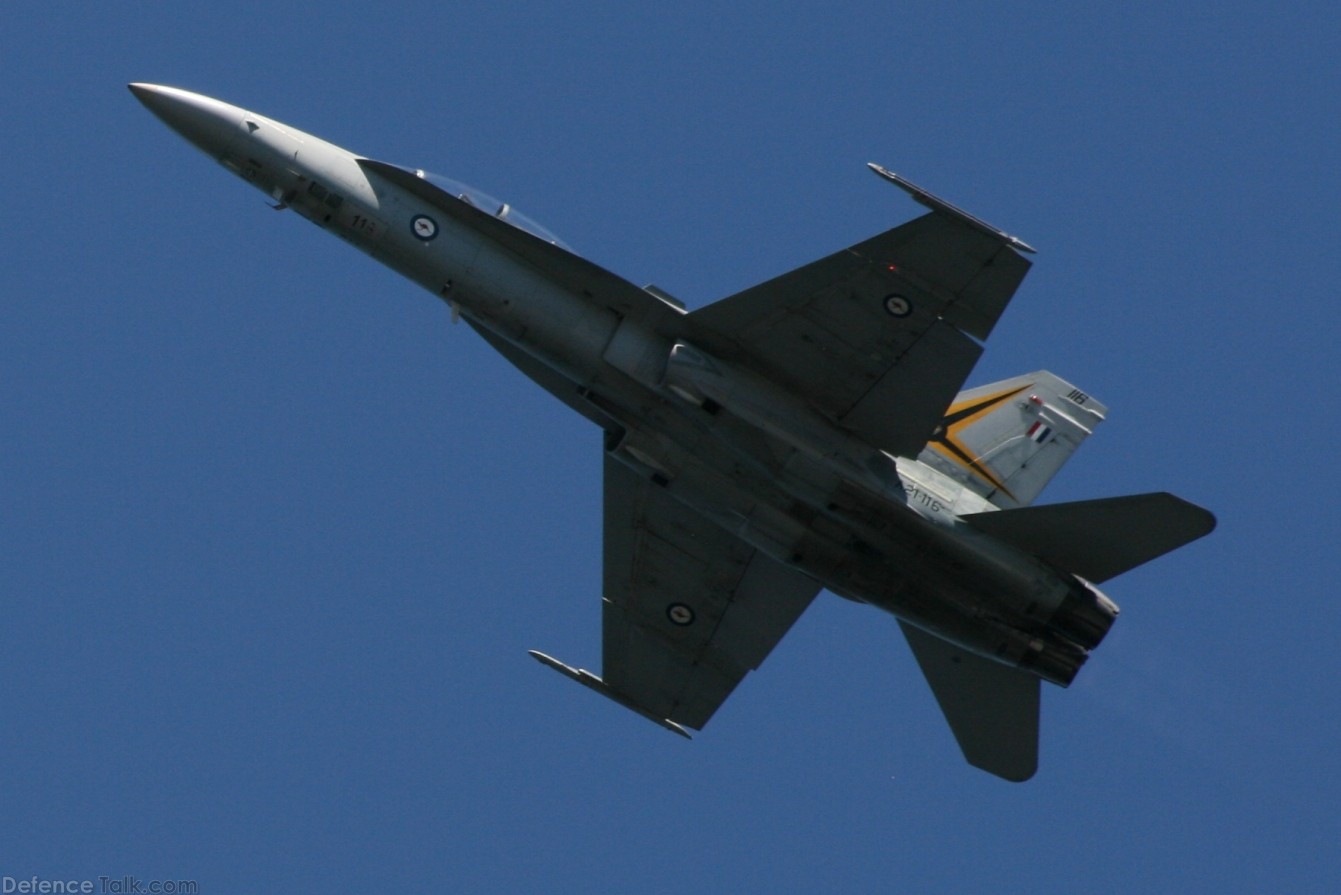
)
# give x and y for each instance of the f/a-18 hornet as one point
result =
(807, 433)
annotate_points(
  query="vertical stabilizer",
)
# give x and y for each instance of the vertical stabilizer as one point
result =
(1007, 440)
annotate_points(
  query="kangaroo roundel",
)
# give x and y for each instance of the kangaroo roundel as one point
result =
(898, 305)
(423, 227)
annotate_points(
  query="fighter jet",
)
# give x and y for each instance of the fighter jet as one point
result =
(807, 433)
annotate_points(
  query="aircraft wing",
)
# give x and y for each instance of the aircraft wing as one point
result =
(992, 708)
(881, 336)
(689, 608)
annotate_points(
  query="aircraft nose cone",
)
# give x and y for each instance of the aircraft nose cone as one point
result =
(208, 123)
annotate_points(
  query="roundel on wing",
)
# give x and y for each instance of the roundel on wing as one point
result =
(898, 305)
(680, 614)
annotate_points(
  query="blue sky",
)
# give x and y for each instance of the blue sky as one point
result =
(276, 536)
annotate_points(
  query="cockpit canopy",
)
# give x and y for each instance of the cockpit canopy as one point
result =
(488, 204)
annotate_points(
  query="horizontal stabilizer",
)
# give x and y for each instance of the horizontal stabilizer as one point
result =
(587, 679)
(992, 708)
(1099, 539)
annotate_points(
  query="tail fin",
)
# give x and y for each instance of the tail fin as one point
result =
(1007, 440)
